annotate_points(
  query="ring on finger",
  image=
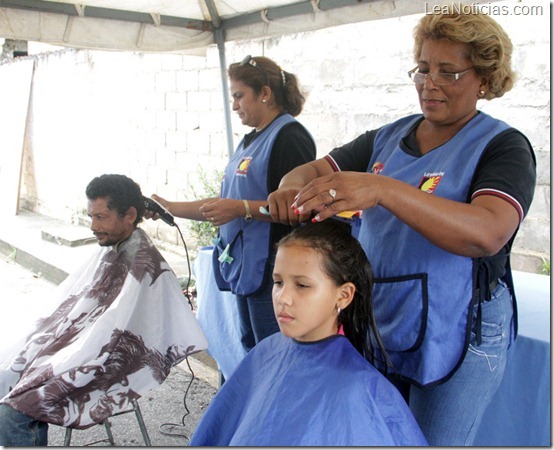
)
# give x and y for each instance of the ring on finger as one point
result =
(333, 194)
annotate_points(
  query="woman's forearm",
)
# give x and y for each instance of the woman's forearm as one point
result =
(187, 210)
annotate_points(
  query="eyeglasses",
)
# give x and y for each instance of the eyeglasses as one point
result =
(249, 60)
(440, 79)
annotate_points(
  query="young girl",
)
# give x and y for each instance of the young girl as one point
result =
(312, 384)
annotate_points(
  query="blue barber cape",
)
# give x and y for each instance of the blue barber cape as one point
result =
(288, 393)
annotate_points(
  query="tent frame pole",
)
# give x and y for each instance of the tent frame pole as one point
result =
(219, 36)
(220, 40)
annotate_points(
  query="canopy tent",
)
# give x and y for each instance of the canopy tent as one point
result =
(181, 25)
(185, 26)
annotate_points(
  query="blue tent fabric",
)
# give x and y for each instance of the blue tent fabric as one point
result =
(288, 393)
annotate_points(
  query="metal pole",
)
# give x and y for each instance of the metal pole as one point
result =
(220, 40)
(219, 36)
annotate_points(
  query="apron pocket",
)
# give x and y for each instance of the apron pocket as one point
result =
(401, 306)
(227, 261)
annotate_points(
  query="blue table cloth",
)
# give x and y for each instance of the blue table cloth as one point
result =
(218, 315)
(519, 414)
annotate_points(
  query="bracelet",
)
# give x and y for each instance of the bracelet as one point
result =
(248, 215)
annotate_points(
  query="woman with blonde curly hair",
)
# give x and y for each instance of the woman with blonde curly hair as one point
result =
(488, 47)
(443, 194)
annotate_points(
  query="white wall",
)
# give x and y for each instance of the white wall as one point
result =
(159, 118)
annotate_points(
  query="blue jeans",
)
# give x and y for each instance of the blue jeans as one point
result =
(256, 315)
(450, 414)
(20, 430)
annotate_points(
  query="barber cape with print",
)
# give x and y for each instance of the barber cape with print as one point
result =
(120, 324)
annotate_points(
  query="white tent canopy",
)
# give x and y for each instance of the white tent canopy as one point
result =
(186, 26)
(181, 25)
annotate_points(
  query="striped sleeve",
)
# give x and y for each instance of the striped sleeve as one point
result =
(332, 163)
(496, 193)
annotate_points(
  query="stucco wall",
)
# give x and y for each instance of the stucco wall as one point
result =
(159, 118)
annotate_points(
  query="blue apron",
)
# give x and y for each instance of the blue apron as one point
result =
(240, 256)
(423, 295)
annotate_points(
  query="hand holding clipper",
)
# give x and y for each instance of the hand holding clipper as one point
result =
(155, 207)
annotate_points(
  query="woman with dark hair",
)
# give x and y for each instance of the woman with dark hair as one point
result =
(311, 384)
(443, 194)
(266, 98)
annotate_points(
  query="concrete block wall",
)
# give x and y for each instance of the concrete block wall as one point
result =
(159, 118)
(356, 76)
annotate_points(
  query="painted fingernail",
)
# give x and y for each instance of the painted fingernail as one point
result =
(316, 219)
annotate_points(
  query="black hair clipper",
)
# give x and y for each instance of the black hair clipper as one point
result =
(155, 207)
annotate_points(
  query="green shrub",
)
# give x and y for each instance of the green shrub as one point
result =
(545, 266)
(205, 232)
